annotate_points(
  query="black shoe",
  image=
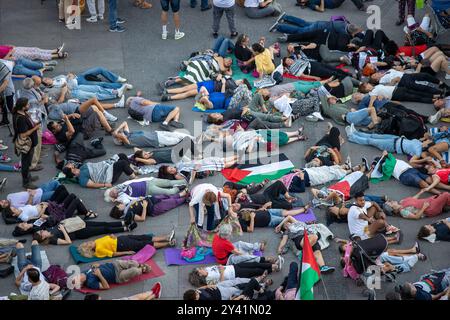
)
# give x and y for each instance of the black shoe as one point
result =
(96, 142)
(181, 188)
(132, 226)
(6, 272)
(215, 35)
(128, 220)
(176, 124)
(165, 97)
(4, 122)
(365, 163)
(207, 8)
(22, 241)
(234, 35)
(164, 127)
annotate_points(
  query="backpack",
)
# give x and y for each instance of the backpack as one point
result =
(57, 275)
(411, 126)
(135, 115)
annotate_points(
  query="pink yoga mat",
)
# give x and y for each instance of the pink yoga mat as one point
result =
(156, 272)
(145, 254)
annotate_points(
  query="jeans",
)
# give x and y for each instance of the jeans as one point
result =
(276, 217)
(108, 75)
(258, 13)
(298, 26)
(112, 13)
(27, 67)
(359, 118)
(7, 167)
(48, 189)
(377, 199)
(210, 217)
(404, 263)
(247, 249)
(86, 92)
(36, 259)
(222, 45)
(217, 16)
(380, 141)
(203, 4)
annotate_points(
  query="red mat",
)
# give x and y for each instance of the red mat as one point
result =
(155, 273)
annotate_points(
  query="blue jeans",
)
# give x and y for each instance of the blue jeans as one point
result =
(222, 45)
(6, 167)
(359, 118)
(160, 112)
(377, 199)
(108, 75)
(203, 4)
(36, 259)
(48, 189)
(298, 26)
(86, 92)
(112, 13)
(276, 217)
(380, 141)
(26, 67)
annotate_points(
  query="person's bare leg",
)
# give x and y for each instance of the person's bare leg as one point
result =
(401, 252)
(84, 107)
(293, 212)
(185, 95)
(143, 296)
(436, 150)
(183, 89)
(231, 161)
(176, 21)
(160, 244)
(374, 117)
(164, 19)
(319, 258)
(440, 64)
(429, 52)
(102, 119)
(173, 115)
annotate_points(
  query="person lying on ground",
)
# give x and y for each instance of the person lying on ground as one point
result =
(101, 276)
(153, 294)
(415, 208)
(438, 231)
(100, 174)
(32, 53)
(150, 206)
(366, 219)
(430, 286)
(313, 70)
(294, 230)
(326, 152)
(31, 197)
(150, 111)
(213, 275)
(134, 189)
(249, 219)
(112, 246)
(321, 5)
(122, 135)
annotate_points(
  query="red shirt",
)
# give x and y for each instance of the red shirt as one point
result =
(221, 248)
(443, 175)
(4, 50)
(408, 50)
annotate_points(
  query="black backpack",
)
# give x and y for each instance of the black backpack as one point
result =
(411, 126)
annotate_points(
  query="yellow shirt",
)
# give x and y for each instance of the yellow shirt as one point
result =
(105, 247)
(264, 63)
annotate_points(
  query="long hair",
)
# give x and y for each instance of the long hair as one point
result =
(196, 279)
(37, 236)
(245, 214)
(163, 173)
(85, 250)
(21, 103)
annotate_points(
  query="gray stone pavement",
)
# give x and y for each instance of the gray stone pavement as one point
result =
(142, 57)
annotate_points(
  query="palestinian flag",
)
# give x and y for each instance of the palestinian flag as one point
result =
(257, 170)
(310, 272)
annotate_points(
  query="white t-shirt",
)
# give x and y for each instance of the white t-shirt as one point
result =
(391, 75)
(252, 3)
(384, 91)
(214, 274)
(224, 3)
(40, 292)
(400, 167)
(356, 225)
(28, 212)
(26, 286)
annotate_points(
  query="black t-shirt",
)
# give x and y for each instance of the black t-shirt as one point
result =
(234, 113)
(136, 208)
(242, 54)
(57, 234)
(262, 220)
(442, 232)
(326, 160)
(210, 294)
(61, 136)
(22, 124)
(336, 91)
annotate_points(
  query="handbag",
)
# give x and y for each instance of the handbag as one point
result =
(21, 145)
(73, 224)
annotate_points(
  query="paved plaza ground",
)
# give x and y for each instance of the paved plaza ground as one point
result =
(142, 57)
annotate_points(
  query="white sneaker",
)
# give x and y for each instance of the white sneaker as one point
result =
(122, 80)
(109, 116)
(92, 19)
(164, 36)
(100, 17)
(121, 90)
(179, 35)
(120, 103)
(348, 131)
(129, 86)
(433, 119)
(447, 77)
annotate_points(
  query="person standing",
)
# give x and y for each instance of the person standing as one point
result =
(93, 11)
(175, 6)
(204, 5)
(401, 10)
(114, 21)
(219, 7)
(25, 129)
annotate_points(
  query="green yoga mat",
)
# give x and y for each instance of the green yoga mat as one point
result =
(78, 258)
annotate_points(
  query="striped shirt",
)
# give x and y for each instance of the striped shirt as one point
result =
(299, 66)
(200, 70)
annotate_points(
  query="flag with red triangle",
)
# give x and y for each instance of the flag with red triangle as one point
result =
(310, 272)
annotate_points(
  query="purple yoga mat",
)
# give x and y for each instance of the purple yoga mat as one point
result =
(173, 258)
(307, 217)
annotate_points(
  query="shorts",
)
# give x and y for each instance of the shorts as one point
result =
(160, 112)
(174, 4)
(276, 217)
(298, 240)
(359, 118)
(209, 85)
(412, 177)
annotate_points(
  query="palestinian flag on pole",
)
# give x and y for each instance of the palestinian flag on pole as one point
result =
(309, 272)
(256, 171)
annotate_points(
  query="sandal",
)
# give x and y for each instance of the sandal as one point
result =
(91, 215)
(62, 55)
(145, 268)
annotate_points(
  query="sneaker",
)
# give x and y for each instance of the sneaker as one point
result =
(120, 21)
(233, 35)
(4, 158)
(283, 38)
(176, 124)
(169, 83)
(109, 116)
(132, 226)
(128, 86)
(326, 269)
(160, 88)
(122, 80)
(447, 77)
(365, 163)
(3, 183)
(156, 289)
(179, 35)
(120, 103)
(117, 29)
(165, 97)
(100, 17)
(433, 119)
(92, 19)
(311, 118)
(215, 35)
(164, 36)
(3, 147)
(121, 90)
(280, 262)
(164, 126)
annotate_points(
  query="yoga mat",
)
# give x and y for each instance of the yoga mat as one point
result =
(156, 272)
(195, 109)
(306, 217)
(143, 255)
(446, 154)
(173, 258)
